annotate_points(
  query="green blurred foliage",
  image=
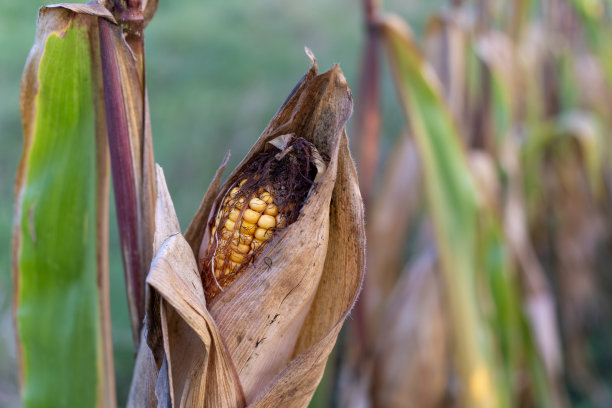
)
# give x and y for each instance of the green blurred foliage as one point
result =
(216, 73)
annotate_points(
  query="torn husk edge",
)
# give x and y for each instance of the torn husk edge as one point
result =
(279, 320)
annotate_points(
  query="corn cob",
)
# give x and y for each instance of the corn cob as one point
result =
(269, 197)
(245, 230)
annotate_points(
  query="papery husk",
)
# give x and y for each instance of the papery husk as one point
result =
(412, 350)
(280, 318)
(261, 314)
(187, 365)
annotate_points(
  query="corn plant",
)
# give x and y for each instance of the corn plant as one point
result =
(245, 307)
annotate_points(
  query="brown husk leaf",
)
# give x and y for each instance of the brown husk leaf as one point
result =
(275, 325)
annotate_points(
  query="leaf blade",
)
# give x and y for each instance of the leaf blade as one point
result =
(60, 235)
(452, 198)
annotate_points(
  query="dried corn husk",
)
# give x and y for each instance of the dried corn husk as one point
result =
(265, 339)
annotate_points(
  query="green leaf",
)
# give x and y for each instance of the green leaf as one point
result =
(452, 202)
(60, 240)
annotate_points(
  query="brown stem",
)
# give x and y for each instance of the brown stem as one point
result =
(368, 115)
(367, 138)
(124, 182)
(369, 10)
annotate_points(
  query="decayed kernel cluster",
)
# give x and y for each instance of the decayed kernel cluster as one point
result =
(245, 230)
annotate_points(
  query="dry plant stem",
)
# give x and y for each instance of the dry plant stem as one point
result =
(446, 48)
(367, 135)
(367, 126)
(123, 178)
(368, 117)
(132, 23)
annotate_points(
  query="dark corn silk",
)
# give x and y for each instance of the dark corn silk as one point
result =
(268, 198)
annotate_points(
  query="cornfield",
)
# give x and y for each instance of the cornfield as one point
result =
(462, 262)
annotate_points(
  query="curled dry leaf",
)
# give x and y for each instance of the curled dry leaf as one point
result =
(261, 332)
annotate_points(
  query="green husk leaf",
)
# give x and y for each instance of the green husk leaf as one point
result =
(60, 239)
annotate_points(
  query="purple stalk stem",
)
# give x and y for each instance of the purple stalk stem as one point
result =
(124, 183)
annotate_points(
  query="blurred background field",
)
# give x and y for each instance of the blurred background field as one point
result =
(216, 72)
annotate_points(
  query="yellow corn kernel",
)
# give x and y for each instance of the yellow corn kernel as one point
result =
(234, 214)
(266, 197)
(272, 210)
(266, 221)
(229, 225)
(244, 239)
(234, 239)
(227, 235)
(238, 257)
(244, 248)
(262, 234)
(250, 216)
(257, 205)
(247, 228)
